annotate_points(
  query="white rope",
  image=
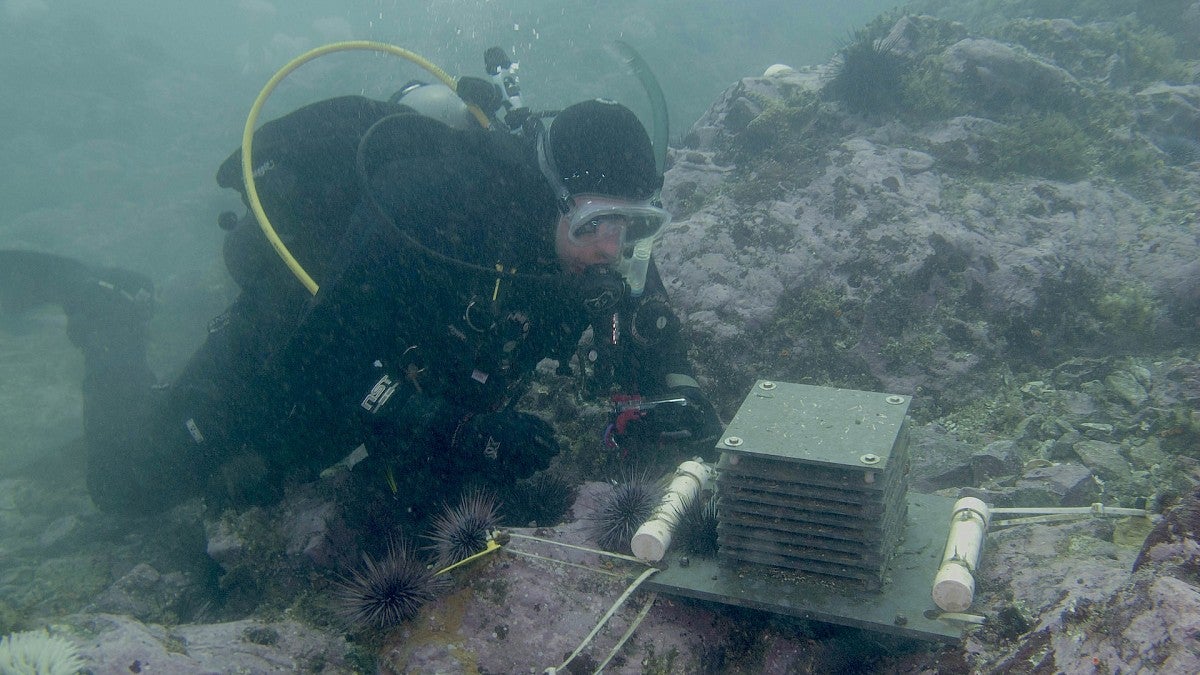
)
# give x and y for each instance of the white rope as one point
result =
(612, 610)
(1096, 509)
(604, 620)
(964, 618)
(1034, 520)
(610, 554)
(637, 621)
(1058, 514)
(535, 556)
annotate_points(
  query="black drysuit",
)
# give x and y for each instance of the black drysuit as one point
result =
(399, 345)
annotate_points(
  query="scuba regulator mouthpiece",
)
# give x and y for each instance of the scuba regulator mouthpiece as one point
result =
(503, 72)
(601, 290)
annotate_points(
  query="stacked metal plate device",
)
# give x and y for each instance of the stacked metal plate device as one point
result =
(814, 479)
(814, 517)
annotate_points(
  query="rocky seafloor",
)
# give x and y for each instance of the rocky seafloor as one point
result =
(1040, 306)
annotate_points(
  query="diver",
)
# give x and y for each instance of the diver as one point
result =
(455, 261)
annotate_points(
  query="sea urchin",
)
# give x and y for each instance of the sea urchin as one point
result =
(542, 500)
(696, 531)
(386, 592)
(462, 531)
(868, 74)
(623, 510)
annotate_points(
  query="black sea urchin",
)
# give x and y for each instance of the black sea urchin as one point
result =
(540, 501)
(461, 531)
(623, 510)
(696, 531)
(386, 592)
(868, 74)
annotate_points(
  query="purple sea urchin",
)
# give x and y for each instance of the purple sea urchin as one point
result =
(696, 532)
(462, 531)
(623, 510)
(386, 592)
(541, 500)
(868, 73)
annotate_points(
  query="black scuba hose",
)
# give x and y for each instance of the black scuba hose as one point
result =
(364, 178)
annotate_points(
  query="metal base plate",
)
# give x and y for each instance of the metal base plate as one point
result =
(898, 608)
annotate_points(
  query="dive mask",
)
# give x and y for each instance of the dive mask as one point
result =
(594, 218)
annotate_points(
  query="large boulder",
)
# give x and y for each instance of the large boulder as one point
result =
(883, 256)
(112, 643)
(1004, 74)
(1111, 611)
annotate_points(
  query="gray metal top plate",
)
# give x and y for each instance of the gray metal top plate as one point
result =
(803, 423)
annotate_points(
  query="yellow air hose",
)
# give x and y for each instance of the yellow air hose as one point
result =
(252, 119)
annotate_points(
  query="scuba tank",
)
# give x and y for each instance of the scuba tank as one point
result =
(437, 101)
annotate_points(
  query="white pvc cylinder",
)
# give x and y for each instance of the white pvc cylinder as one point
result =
(653, 538)
(954, 585)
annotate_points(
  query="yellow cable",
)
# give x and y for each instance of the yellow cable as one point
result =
(252, 119)
(491, 546)
(496, 290)
(390, 476)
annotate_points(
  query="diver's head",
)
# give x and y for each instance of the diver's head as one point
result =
(598, 158)
(599, 147)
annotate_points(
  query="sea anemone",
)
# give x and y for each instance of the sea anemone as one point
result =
(542, 500)
(868, 74)
(462, 531)
(623, 510)
(38, 652)
(386, 592)
(696, 532)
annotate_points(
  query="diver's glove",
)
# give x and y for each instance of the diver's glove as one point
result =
(682, 414)
(507, 444)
